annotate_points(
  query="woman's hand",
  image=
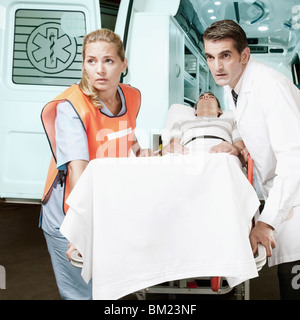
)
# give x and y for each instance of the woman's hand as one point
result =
(175, 147)
(75, 168)
(138, 151)
(145, 153)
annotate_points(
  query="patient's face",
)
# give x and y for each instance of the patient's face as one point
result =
(207, 105)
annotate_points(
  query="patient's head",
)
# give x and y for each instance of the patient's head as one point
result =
(208, 105)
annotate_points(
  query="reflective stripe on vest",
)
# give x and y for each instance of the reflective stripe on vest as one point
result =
(107, 136)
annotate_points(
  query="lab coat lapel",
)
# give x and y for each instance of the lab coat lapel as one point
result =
(245, 95)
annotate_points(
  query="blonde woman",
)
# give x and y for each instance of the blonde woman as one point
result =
(77, 123)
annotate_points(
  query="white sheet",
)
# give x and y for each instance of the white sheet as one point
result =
(143, 221)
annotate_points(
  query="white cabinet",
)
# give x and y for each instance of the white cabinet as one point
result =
(191, 74)
(203, 76)
(176, 55)
(165, 66)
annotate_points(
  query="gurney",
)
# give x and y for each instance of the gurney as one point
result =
(163, 209)
(204, 285)
(140, 237)
(158, 245)
(213, 285)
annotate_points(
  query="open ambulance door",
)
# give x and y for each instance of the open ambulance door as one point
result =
(40, 56)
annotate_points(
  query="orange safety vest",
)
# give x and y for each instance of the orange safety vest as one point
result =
(106, 136)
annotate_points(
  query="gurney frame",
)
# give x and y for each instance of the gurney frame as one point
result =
(211, 286)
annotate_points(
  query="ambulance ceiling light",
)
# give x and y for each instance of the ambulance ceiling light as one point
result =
(263, 28)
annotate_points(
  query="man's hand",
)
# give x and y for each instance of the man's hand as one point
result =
(225, 147)
(245, 154)
(262, 233)
(70, 250)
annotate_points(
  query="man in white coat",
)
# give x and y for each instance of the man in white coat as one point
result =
(267, 108)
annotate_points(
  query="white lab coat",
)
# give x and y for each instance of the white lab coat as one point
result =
(268, 118)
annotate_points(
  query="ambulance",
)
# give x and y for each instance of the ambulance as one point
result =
(40, 56)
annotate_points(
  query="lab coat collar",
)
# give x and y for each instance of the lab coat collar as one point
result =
(243, 88)
(246, 86)
(237, 88)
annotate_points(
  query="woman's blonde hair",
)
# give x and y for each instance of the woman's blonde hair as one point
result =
(99, 35)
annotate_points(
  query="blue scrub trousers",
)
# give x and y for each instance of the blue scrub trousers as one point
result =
(70, 284)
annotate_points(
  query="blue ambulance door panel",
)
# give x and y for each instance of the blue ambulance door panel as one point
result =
(40, 56)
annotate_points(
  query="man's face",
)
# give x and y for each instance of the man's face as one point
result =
(224, 61)
(207, 105)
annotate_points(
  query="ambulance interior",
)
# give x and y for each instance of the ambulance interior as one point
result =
(273, 35)
(166, 61)
(177, 72)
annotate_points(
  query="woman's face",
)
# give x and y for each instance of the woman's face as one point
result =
(103, 65)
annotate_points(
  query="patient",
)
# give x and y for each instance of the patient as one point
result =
(205, 127)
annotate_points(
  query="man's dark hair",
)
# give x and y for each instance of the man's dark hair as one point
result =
(227, 29)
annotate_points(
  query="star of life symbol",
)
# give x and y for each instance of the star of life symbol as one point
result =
(49, 49)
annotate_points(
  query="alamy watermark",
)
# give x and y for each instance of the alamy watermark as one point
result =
(2, 278)
(296, 279)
